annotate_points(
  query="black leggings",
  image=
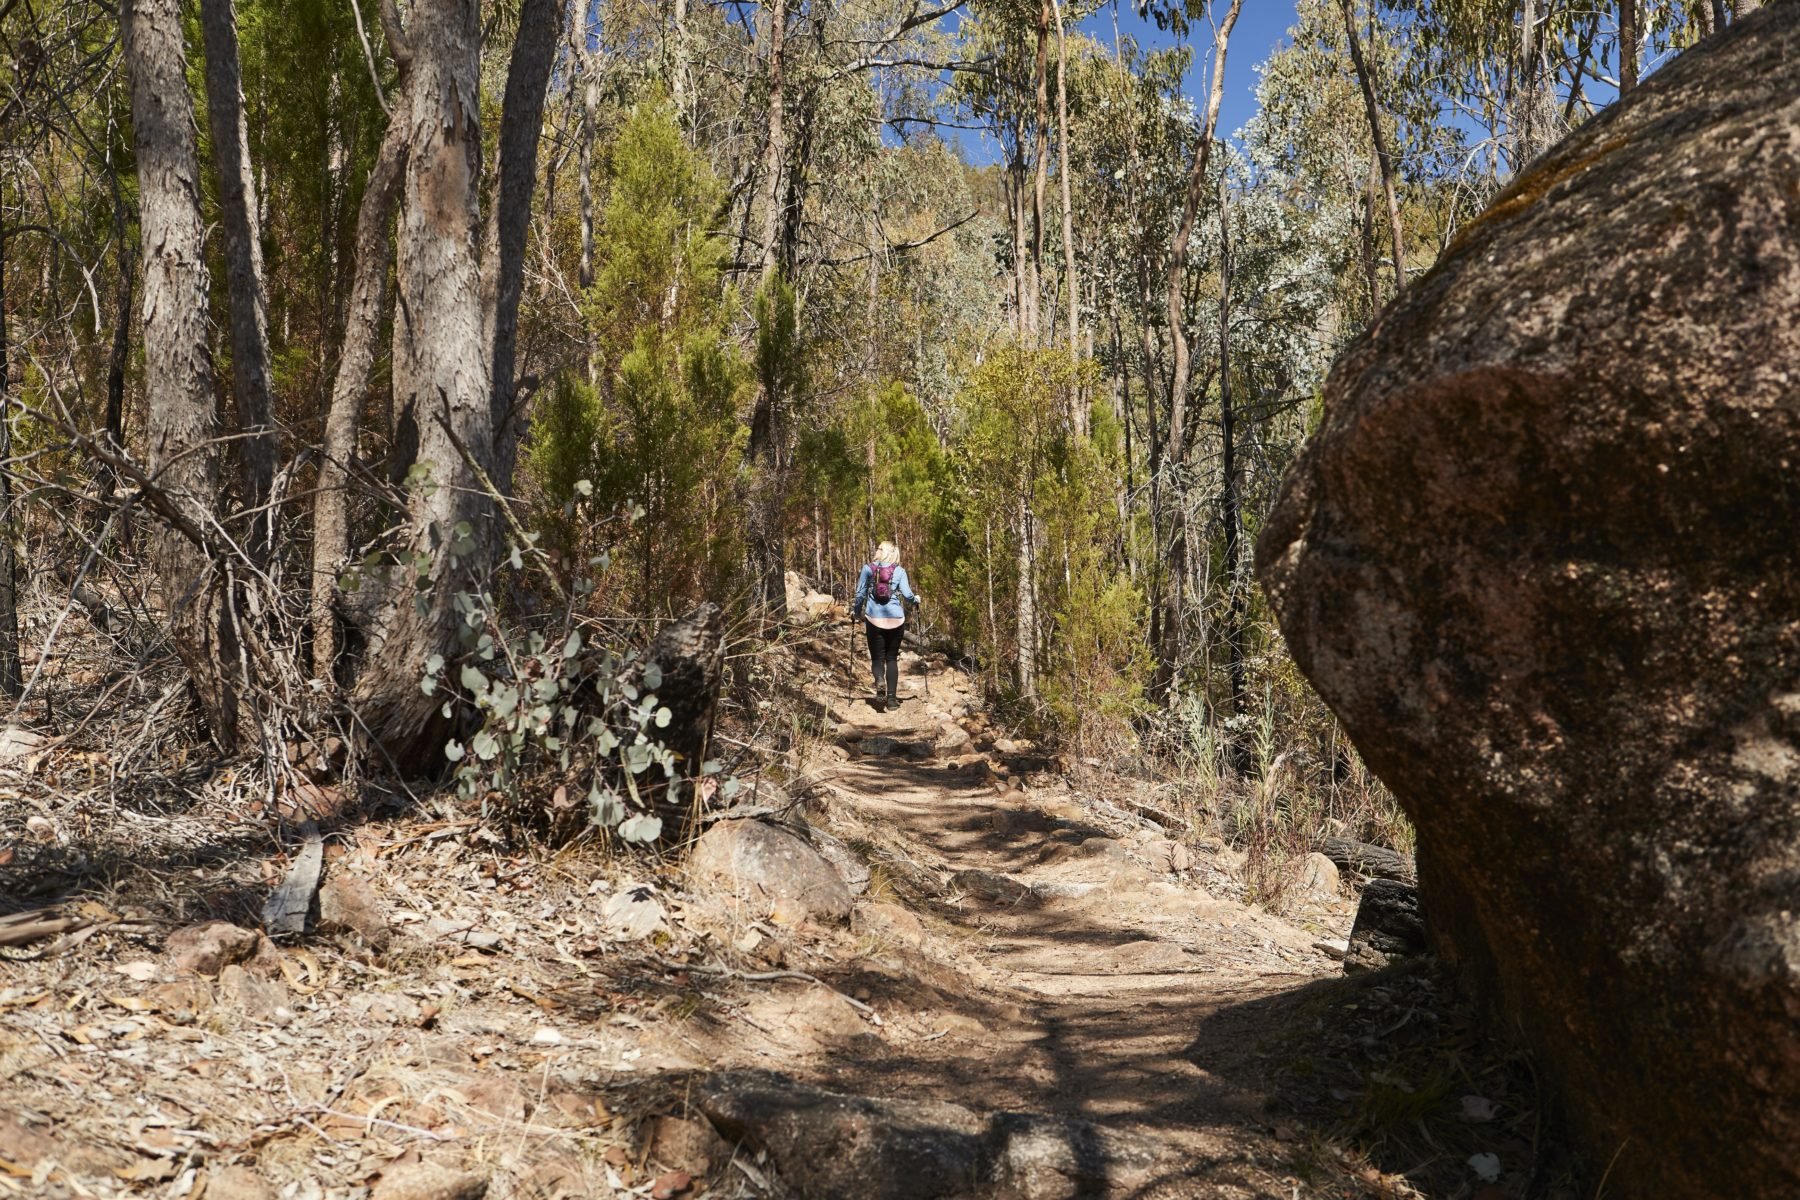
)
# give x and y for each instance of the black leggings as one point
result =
(884, 655)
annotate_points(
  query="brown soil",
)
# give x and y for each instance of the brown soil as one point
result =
(1022, 947)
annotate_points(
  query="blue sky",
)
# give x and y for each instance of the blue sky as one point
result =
(1260, 28)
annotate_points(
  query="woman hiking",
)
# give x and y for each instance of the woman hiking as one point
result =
(879, 591)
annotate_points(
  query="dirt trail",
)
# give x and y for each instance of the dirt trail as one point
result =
(1101, 986)
(1029, 1001)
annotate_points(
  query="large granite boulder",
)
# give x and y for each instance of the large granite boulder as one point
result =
(772, 870)
(1543, 559)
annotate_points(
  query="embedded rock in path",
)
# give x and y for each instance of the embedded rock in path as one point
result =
(429, 1181)
(691, 1146)
(236, 1183)
(891, 922)
(991, 886)
(850, 868)
(772, 870)
(347, 904)
(1049, 1158)
(211, 946)
(1167, 855)
(831, 1146)
(1540, 560)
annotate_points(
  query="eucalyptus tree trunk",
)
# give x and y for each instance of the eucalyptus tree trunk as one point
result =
(182, 432)
(349, 391)
(1378, 138)
(590, 103)
(11, 679)
(1181, 364)
(1371, 257)
(775, 152)
(119, 358)
(1628, 46)
(509, 220)
(1026, 598)
(1040, 168)
(764, 449)
(1078, 413)
(243, 265)
(680, 85)
(1531, 116)
(1231, 503)
(1022, 284)
(442, 382)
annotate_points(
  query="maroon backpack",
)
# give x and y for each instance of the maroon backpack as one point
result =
(881, 588)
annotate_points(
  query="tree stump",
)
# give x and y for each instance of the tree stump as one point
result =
(690, 653)
(1388, 926)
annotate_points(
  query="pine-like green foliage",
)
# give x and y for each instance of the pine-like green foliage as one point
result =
(1020, 469)
(655, 436)
(880, 472)
(1097, 660)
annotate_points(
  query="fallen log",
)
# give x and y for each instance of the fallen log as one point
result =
(1377, 862)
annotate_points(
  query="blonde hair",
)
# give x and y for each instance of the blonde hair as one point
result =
(887, 553)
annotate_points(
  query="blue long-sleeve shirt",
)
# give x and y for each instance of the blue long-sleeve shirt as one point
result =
(865, 594)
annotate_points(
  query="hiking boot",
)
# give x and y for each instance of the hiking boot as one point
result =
(893, 704)
(878, 704)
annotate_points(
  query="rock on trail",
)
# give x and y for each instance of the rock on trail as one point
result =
(773, 871)
(1541, 561)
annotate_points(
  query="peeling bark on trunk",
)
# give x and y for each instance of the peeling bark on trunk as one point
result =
(243, 265)
(1022, 304)
(1533, 116)
(183, 453)
(343, 423)
(509, 223)
(442, 379)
